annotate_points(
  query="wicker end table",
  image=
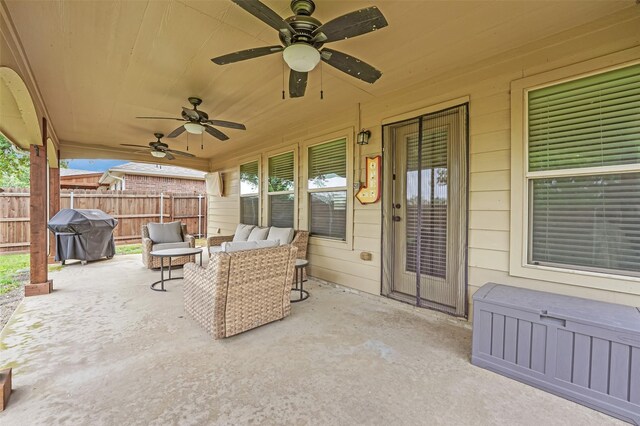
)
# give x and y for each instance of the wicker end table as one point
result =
(172, 253)
(299, 273)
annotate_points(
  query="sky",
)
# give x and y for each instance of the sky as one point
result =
(94, 165)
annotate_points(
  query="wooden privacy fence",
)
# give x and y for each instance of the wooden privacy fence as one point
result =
(131, 209)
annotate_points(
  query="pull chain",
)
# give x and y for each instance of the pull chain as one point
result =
(187, 141)
(201, 141)
(283, 81)
(321, 91)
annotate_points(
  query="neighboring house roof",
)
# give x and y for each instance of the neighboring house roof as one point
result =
(145, 169)
(76, 172)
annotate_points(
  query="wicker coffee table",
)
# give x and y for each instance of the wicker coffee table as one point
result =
(172, 253)
(304, 294)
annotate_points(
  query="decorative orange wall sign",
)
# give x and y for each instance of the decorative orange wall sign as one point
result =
(370, 192)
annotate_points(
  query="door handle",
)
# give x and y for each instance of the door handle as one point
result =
(396, 218)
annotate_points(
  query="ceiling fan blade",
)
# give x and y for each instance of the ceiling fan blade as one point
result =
(136, 146)
(184, 154)
(177, 132)
(351, 65)
(229, 124)
(266, 15)
(247, 54)
(297, 83)
(192, 114)
(352, 24)
(162, 118)
(168, 156)
(215, 133)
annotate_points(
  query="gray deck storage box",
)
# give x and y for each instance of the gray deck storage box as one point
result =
(583, 350)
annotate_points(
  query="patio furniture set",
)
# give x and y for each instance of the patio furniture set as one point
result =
(250, 278)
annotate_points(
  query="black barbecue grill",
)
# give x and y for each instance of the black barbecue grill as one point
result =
(83, 234)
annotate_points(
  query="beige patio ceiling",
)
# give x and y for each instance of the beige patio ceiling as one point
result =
(99, 64)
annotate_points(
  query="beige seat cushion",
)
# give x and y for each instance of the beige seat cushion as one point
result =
(167, 246)
(230, 247)
(215, 249)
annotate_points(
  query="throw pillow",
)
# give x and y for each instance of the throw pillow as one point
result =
(284, 235)
(242, 232)
(258, 234)
(161, 233)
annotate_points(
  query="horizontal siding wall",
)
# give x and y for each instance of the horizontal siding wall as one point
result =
(487, 85)
(224, 212)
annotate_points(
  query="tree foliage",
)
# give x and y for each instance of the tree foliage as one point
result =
(14, 165)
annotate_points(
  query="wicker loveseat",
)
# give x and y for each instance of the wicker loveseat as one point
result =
(239, 291)
(148, 245)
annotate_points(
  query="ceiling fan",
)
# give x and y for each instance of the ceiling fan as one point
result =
(160, 149)
(303, 38)
(197, 121)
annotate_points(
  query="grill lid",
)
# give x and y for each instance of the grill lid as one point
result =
(79, 221)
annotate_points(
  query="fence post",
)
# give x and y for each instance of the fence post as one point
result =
(172, 207)
(199, 215)
(161, 207)
(71, 200)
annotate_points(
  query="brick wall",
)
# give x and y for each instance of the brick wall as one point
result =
(163, 184)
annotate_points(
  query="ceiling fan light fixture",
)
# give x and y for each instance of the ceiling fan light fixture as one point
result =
(194, 128)
(158, 154)
(301, 57)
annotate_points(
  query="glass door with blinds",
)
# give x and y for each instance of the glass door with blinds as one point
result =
(425, 211)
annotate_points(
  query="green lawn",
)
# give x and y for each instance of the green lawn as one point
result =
(129, 249)
(10, 264)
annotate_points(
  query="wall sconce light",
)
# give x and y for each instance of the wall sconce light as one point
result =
(363, 137)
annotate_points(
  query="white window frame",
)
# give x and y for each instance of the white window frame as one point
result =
(348, 135)
(296, 174)
(259, 193)
(520, 176)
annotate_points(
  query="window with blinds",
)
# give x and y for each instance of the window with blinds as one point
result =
(328, 165)
(249, 210)
(584, 173)
(281, 189)
(250, 193)
(327, 186)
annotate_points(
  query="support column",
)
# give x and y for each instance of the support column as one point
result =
(54, 202)
(39, 284)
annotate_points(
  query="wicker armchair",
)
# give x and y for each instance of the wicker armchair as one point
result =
(300, 241)
(239, 291)
(154, 262)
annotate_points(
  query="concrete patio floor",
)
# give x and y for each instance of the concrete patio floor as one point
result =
(104, 349)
